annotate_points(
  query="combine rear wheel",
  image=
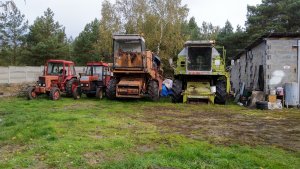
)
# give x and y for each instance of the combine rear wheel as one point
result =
(31, 93)
(111, 89)
(176, 91)
(153, 90)
(221, 94)
(54, 93)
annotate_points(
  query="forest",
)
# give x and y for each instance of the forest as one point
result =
(164, 24)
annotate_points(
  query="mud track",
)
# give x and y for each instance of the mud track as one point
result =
(227, 128)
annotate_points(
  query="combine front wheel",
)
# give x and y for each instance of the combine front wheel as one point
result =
(176, 91)
(111, 89)
(221, 94)
(153, 90)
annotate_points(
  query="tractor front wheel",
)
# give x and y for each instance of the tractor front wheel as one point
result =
(76, 93)
(31, 94)
(153, 90)
(70, 86)
(177, 91)
(99, 93)
(54, 93)
(111, 89)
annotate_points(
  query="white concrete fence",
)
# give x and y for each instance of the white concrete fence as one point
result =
(21, 74)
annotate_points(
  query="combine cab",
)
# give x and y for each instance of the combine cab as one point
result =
(200, 74)
(59, 77)
(94, 81)
(136, 71)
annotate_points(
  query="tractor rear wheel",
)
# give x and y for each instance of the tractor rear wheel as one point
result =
(176, 91)
(77, 93)
(153, 90)
(221, 94)
(54, 93)
(70, 86)
(31, 93)
(99, 93)
(111, 88)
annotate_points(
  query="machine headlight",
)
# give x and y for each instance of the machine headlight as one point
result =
(217, 62)
(81, 84)
(40, 84)
(44, 85)
(213, 89)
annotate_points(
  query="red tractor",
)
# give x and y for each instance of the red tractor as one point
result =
(59, 77)
(94, 81)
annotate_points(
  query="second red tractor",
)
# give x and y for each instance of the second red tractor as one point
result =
(94, 80)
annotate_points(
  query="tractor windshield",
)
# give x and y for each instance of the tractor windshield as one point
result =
(54, 68)
(94, 71)
(199, 58)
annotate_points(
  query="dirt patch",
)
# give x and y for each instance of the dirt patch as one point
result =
(95, 158)
(8, 151)
(7, 90)
(227, 128)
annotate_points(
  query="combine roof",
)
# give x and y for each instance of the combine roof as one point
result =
(128, 37)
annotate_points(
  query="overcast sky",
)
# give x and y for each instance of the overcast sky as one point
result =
(75, 14)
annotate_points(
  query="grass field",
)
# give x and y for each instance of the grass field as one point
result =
(89, 133)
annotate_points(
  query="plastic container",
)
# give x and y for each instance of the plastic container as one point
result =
(291, 94)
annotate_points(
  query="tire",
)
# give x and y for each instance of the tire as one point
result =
(177, 91)
(111, 89)
(31, 94)
(54, 93)
(221, 94)
(153, 90)
(99, 93)
(77, 93)
(262, 105)
(70, 86)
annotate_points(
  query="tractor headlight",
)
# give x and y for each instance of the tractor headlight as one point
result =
(81, 84)
(44, 85)
(40, 84)
(213, 89)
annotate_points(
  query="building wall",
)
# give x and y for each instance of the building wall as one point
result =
(246, 69)
(281, 62)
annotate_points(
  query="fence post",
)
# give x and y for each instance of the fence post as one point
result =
(8, 74)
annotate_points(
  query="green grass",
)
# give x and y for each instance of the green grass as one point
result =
(89, 133)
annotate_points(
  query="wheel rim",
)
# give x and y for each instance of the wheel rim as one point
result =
(33, 94)
(56, 95)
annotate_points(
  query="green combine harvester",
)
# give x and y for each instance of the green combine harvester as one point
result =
(200, 74)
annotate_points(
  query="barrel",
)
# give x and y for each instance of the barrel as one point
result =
(291, 94)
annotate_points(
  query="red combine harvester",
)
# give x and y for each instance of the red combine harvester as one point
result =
(59, 77)
(94, 81)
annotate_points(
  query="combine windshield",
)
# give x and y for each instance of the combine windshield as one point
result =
(128, 53)
(199, 58)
